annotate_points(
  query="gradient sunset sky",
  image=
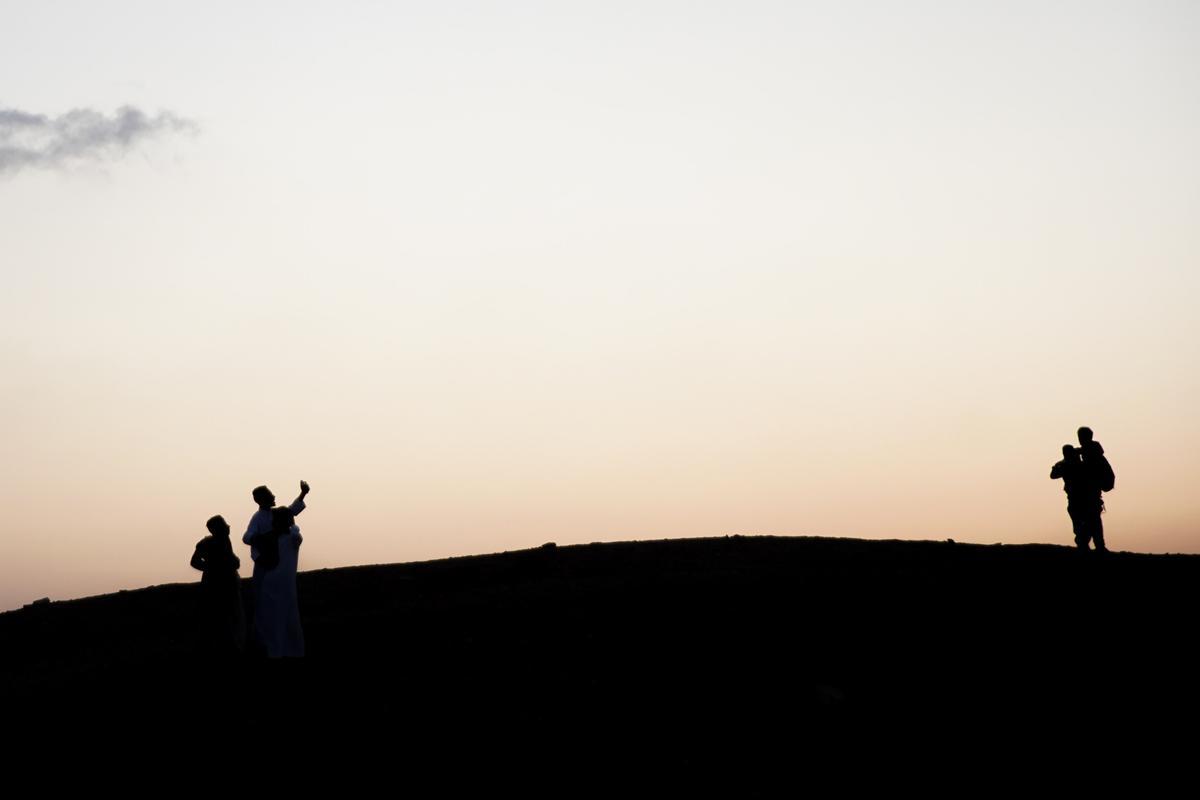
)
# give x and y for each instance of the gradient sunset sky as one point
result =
(490, 274)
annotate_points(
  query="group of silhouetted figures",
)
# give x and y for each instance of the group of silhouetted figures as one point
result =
(1086, 475)
(274, 542)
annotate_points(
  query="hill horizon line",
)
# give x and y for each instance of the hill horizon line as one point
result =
(47, 600)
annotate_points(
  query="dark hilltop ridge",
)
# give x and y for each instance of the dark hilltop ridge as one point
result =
(746, 640)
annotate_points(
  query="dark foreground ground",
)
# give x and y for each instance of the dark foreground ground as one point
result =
(688, 655)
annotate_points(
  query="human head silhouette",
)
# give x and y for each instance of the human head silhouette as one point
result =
(1085, 436)
(262, 495)
(217, 526)
(282, 520)
(1069, 452)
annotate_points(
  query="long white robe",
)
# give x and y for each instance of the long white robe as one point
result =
(277, 617)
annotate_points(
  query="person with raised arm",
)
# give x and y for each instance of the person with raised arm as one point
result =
(259, 534)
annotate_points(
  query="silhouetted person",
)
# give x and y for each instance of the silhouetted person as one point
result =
(260, 526)
(277, 620)
(223, 620)
(1070, 470)
(1100, 478)
(1095, 462)
(1086, 474)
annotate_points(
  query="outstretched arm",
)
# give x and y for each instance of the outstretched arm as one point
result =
(298, 504)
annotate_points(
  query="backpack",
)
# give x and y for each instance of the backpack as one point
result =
(1104, 474)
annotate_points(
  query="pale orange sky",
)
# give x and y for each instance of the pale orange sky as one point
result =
(489, 276)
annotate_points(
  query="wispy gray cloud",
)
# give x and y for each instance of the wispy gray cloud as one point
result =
(83, 134)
